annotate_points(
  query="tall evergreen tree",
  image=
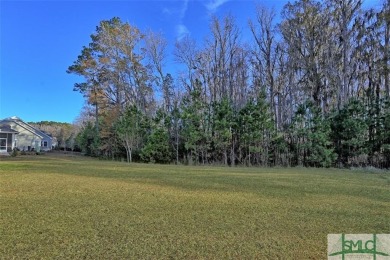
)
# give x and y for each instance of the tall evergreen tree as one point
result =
(157, 147)
(256, 130)
(350, 133)
(224, 124)
(194, 118)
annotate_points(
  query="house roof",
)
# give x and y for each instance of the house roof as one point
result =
(26, 126)
(4, 128)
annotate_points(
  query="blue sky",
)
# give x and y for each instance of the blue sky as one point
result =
(40, 39)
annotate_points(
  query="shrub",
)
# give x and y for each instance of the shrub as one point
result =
(14, 152)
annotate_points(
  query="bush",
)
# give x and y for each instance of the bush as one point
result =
(14, 152)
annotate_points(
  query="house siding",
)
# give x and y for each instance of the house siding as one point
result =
(25, 139)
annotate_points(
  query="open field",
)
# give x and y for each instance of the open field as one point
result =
(62, 207)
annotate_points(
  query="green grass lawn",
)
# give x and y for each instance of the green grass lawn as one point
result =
(63, 207)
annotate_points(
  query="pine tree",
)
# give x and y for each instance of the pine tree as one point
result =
(310, 137)
(194, 117)
(350, 133)
(223, 128)
(88, 141)
(256, 129)
(157, 148)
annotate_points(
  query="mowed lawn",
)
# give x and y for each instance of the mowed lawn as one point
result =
(64, 207)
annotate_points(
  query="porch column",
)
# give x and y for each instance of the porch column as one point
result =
(13, 141)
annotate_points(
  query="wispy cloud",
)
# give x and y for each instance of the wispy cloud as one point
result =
(166, 11)
(181, 31)
(178, 13)
(213, 5)
(183, 9)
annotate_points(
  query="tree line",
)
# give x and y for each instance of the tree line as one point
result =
(311, 89)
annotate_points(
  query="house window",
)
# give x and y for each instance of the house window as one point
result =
(3, 144)
(44, 144)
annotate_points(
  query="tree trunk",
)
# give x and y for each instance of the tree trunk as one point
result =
(177, 148)
(232, 155)
(226, 157)
(128, 151)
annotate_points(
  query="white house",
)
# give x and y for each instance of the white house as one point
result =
(25, 137)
